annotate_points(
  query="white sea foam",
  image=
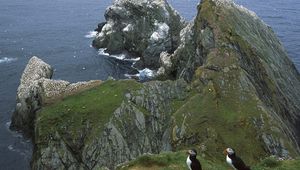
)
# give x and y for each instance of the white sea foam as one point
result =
(7, 60)
(7, 124)
(10, 147)
(101, 51)
(146, 73)
(132, 59)
(91, 34)
(143, 74)
(121, 56)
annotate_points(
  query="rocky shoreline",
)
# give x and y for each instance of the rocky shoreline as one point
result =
(223, 80)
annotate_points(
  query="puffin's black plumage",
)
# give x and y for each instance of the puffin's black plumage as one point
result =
(195, 165)
(192, 161)
(238, 163)
(234, 160)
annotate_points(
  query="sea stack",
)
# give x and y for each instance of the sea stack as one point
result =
(144, 28)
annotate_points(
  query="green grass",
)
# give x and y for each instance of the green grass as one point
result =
(167, 161)
(220, 116)
(176, 161)
(88, 111)
(273, 164)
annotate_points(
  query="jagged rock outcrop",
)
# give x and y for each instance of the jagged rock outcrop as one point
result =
(36, 88)
(234, 86)
(28, 98)
(144, 28)
(230, 42)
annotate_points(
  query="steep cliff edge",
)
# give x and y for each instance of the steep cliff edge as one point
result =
(232, 86)
(108, 125)
(230, 51)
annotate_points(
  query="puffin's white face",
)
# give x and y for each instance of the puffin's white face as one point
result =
(191, 152)
(229, 151)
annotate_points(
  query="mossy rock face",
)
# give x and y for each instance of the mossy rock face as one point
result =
(107, 125)
(246, 88)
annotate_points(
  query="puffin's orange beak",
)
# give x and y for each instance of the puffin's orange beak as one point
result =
(225, 152)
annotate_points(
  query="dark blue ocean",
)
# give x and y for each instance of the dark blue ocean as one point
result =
(57, 31)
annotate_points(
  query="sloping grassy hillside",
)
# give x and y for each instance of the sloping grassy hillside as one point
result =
(86, 111)
(176, 161)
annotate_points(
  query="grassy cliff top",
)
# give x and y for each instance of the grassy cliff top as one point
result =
(88, 110)
(176, 161)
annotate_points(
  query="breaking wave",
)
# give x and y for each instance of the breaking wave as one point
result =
(91, 34)
(7, 60)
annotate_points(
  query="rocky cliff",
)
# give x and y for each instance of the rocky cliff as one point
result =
(144, 28)
(37, 89)
(232, 85)
(230, 49)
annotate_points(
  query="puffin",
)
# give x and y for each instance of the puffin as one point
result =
(234, 161)
(191, 161)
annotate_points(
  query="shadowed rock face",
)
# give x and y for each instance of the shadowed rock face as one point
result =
(234, 86)
(144, 28)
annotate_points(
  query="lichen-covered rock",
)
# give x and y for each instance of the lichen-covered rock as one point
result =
(36, 88)
(144, 28)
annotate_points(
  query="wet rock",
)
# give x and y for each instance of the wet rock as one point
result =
(100, 26)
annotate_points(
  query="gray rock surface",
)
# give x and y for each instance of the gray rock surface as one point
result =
(36, 89)
(248, 44)
(28, 94)
(144, 28)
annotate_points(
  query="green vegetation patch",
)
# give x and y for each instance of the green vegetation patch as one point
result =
(85, 113)
(273, 164)
(220, 116)
(177, 161)
(168, 161)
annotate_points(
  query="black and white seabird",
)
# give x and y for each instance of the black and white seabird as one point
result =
(191, 161)
(234, 161)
